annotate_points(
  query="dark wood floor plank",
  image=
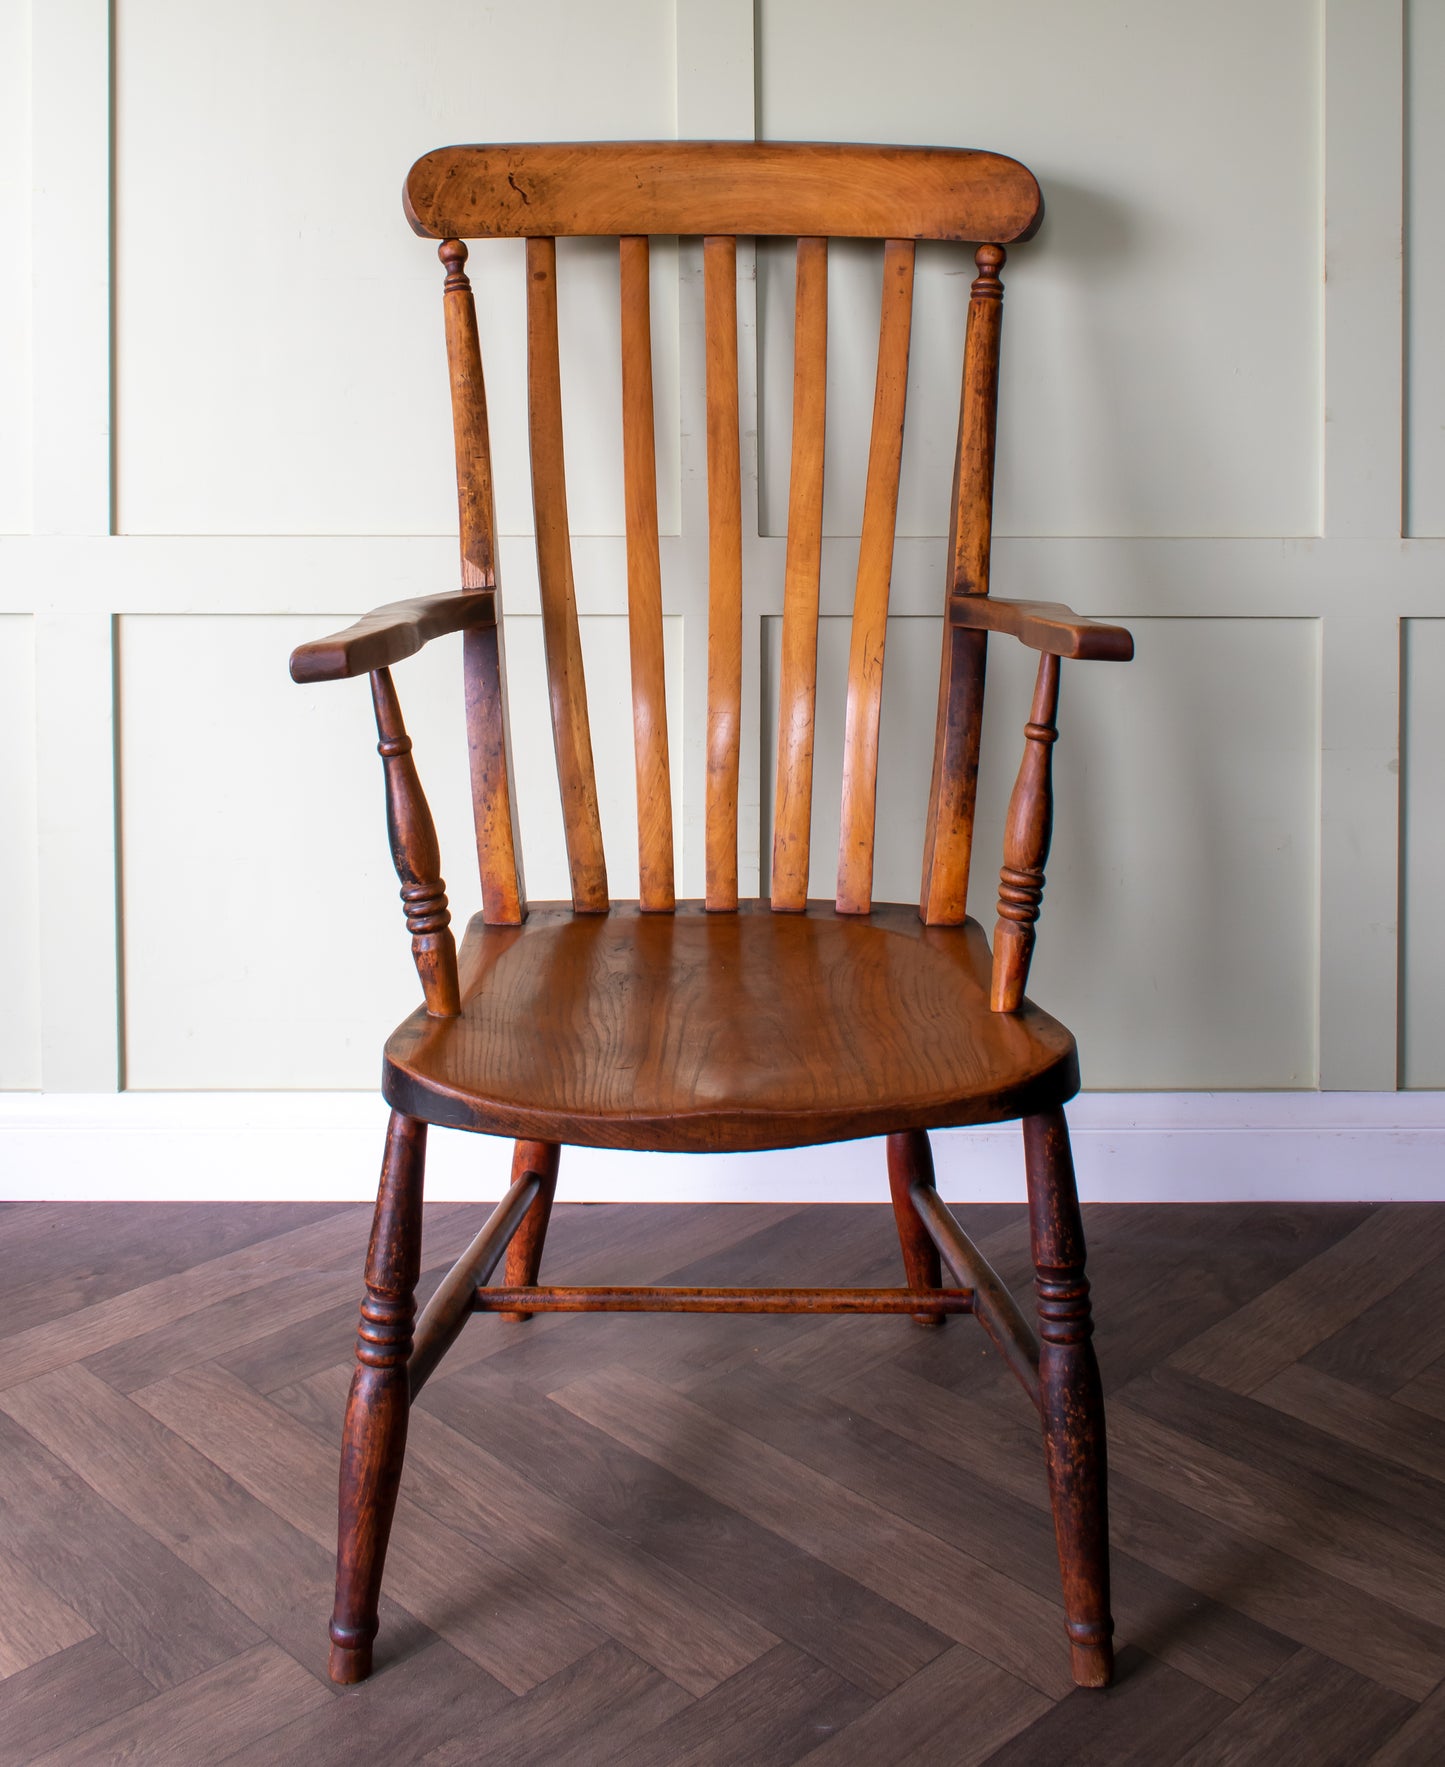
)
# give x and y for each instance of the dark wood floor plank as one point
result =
(1383, 1429)
(1149, 1718)
(694, 1637)
(593, 1710)
(448, 1583)
(992, 1613)
(1427, 1391)
(336, 1241)
(773, 1713)
(1305, 1461)
(201, 1721)
(998, 1446)
(959, 1708)
(1288, 1320)
(395, 1717)
(1393, 1341)
(44, 1706)
(34, 1621)
(1420, 1739)
(157, 1613)
(1337, 1620)
(56, 1258)
(844, 1624)
(1310, 1713)
(276, 1576)
(1288, 1515)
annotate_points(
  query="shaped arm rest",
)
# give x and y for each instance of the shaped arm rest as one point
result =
(387, 634)
(1048, 626)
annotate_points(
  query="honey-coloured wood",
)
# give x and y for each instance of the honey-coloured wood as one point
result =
(415, 854)
(790, 188)
(948, 830)
(1026, 844)
(561, 639)
(875, 576)
(723, 1025)
(644, 586)
(489, 738)
(725, 571)
(798, 678)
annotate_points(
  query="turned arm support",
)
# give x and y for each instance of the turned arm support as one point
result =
(1044, 625)
(1026, 844)
(388, 634)
(416, 855)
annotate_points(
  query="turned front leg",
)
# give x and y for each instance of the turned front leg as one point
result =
(1071, 1399)
(374, 1437)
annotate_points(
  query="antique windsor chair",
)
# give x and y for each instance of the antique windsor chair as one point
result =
(723, 1025)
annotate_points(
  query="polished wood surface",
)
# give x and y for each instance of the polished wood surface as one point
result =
(727, 1025)
(864, 705)
(389, 634)
(1027, 833)
(656, 882)
(654, 1298)
(777, 1539)
(1043, 625)
(798, 678)
(698, 1032)
(562, 642)
(713, 187)
(416, 855)
(724, 572)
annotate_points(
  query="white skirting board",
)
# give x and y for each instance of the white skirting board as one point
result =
(1128, 1147)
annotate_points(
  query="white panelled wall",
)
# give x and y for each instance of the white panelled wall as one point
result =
(1223, 422)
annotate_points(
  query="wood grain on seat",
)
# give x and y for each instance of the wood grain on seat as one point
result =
(700, 1032)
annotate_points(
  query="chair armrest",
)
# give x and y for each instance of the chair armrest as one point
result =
(387, 634)
(1044, 625)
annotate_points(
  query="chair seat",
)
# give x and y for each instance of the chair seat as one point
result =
(699, 1033)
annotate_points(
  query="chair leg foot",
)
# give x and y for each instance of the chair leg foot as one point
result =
(374, 1435)
(910, 1162)
(524, 1254)
(1072, 1400)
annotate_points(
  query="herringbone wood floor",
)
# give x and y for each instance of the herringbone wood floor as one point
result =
(661, 1540)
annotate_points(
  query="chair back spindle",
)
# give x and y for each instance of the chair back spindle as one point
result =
(875, 573)
(948, 831)
(561, 639)
(798, 677)
(725, 570)
(656, 890)
(489, 728)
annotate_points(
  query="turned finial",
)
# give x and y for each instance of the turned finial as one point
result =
(453, 253)
(990, 260)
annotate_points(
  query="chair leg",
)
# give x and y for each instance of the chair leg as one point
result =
(1072, 1401)
(524, 1254)
(910, 1162)
(374, 1437)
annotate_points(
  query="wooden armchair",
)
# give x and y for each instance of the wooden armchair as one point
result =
(725, 1024)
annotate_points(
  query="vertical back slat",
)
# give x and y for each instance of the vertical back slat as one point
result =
(797, 686)
(562, 641)
(494, 804)
(725, 571)
(875, 571)
(656, 889)
(948, 833)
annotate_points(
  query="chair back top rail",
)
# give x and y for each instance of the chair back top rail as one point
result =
(722, 187)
